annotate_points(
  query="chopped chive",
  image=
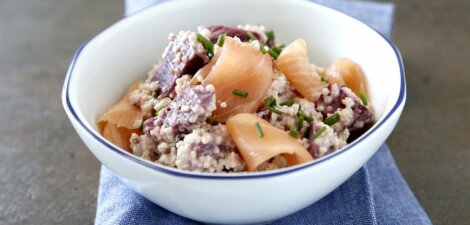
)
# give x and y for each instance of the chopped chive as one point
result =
(300, 122)
(294, 133)
(363, 98)
(142, 126)
(251, 36)
(261, 48)
(332, 119)
(221, 39)
(289, 103)
(154, 94)
(208, 45)
(307, 118)
(320, 132)
(240, 93)
(277, 49)
(273, 53)
(258, 128)
(270, 35)
(274, 110)
(270, 101)
(324, 79)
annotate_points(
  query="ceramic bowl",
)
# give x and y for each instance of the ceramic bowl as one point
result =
(106, 65)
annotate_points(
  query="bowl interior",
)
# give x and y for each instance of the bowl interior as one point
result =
(123, 53)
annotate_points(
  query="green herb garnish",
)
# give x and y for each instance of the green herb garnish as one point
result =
(289, 103)
(142, 126)
(307, 118)
(363, 98)
(240, 93)
(270, 101)
(324, 79)
(320, 132)
(251, 36)
(221, 39)
(332, 119)
(261, 48)
(274, 110)
(273, 54)
(294, 133)
(208, 45)
(270, 35)
(300, 122)
(258, 128)
(278, 49)
(154, 94)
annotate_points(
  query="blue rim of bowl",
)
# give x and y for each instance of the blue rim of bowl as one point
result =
(232, 176)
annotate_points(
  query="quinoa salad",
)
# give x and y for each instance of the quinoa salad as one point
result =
(231, 99)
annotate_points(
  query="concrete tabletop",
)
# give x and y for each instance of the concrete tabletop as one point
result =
(47, 175)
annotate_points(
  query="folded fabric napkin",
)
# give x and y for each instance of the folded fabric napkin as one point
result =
(376, 194)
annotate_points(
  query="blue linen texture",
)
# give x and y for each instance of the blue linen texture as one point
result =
(376, 194)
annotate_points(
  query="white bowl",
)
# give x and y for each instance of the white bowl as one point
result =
(106, 65)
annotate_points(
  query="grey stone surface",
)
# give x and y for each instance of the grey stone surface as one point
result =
(47, 176)
(431, 143)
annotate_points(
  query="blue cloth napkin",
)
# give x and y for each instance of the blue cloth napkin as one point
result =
(376, 194)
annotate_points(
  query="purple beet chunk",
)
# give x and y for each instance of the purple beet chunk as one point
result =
(182, 56)
(194, 105)
(149, 125)
(217, 30)
(362, 117)
(313, 148)
(208, 150)
(264, 113)
(335, 95)
(331, 102)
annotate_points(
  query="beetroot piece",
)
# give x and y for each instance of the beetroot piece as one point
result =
(334, 100)
(208, 150)
(217, 30)
(183, 55)
(264, 113)
(194, 105)
(325, 143)
(314, 148)
(207, 144)
(150, 124)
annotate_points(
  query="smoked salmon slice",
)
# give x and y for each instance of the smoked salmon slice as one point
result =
(123, 113)
(121, 120)
(293, 62)
(256, 150)
(351, 73)
(238, 66)
(119, 136)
